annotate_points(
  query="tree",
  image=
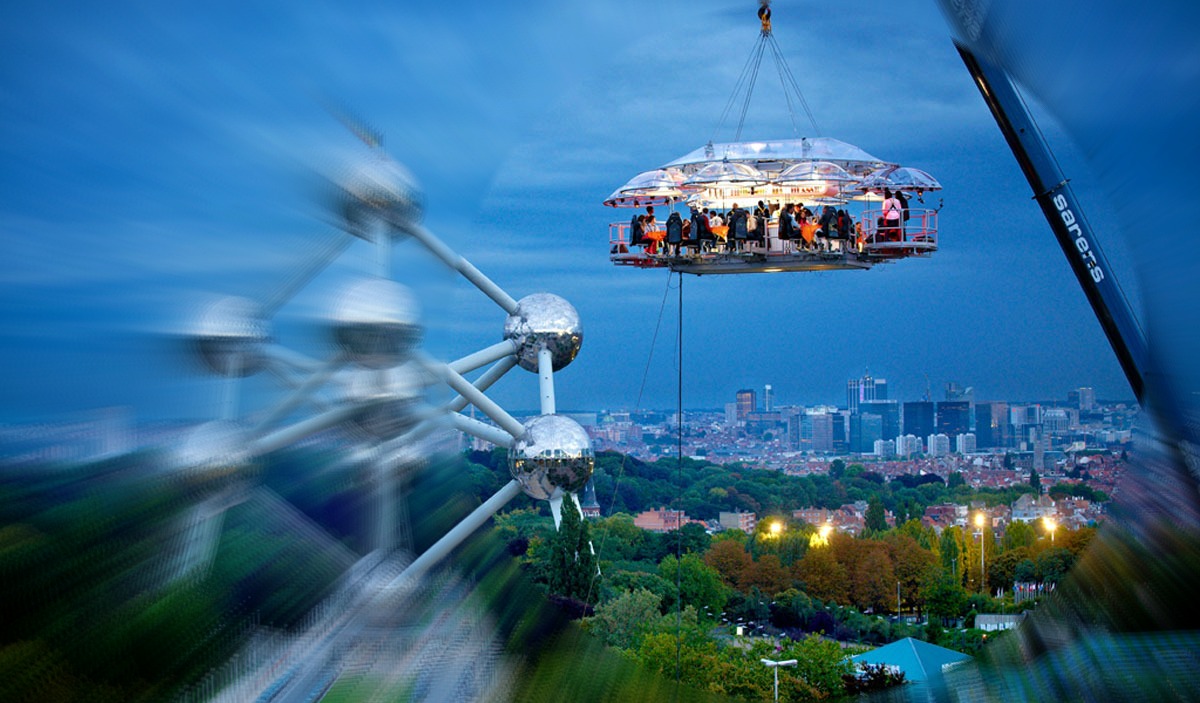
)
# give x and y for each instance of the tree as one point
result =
(949, 550)
(768, 575)
(876, 519)
(572, 571)
(698, 584)
(873, 584)
(1035, 481)
(1018, 534)
(956, 480)
(1054, 563)
(623, 621)
(731, 561)
(822, 575)
(837, 469)
(690, 538)
(944, 595)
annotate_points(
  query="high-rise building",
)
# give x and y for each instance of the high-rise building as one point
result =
(885, 447)
(731, 414)
(768, 399)
(841, 441)
(889, 413)
(954, 417)
(937, 445)
(746, 403)
(907, 445)
(865, 428)
(1087, 399)
(822, 431)
(881, 389)
(860, 389)
(985, 425)
(964, 443)
(918, 418)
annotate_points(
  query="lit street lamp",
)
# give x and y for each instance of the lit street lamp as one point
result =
(775, 665)
(776, 528)
(1051, 526)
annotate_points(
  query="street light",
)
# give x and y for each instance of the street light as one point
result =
(1051, 526)
(979, 522)
(776, 528)
(775, 665)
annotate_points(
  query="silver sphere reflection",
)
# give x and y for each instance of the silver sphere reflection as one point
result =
(387, 400)
(230, 336)
(375, 323)
(378, 190)
(544, 319)
(553, 455)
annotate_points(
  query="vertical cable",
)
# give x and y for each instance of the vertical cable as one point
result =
(679, 491)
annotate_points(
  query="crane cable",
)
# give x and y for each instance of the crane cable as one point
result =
(612, 503)
(748, 78)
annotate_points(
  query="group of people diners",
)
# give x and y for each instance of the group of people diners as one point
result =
(823, 228)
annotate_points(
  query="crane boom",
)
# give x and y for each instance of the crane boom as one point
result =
(1054, 195)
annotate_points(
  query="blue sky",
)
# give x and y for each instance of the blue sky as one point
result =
(152, 157)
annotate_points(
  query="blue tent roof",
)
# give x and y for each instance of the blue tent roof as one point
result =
(919, 660)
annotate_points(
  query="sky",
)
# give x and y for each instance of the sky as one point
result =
(155, 157)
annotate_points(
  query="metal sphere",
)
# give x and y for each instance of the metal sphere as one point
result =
(553, 455)
(544, 319)
(376, 189)
(387, 400)
(230, 335)
(375, 323)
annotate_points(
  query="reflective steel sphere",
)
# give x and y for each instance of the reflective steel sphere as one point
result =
(386, 400)
(375, 323)
(553, 455)
(544, 319)
(378, 190)
(230, 336)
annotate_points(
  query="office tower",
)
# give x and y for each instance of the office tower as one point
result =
(746, 403)
(768, 399)
(865, 388)
(889, 413)
(841, 443)
(1087, 399)
(822, 431)
(954, 417)
(985, 426)
(865, 428)
(918, 418)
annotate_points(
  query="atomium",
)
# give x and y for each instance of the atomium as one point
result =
(230, 336)
(554, 455)
(387, 400)
(379, 190)
(544, 320)
(375, 323)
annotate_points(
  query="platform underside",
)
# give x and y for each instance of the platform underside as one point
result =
(719, 263)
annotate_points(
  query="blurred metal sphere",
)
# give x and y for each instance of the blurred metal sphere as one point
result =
(544, 319)
(214, 447)
(230, 336)
(375, 323)
(376, 189)
(386, 400)
(553, 455)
